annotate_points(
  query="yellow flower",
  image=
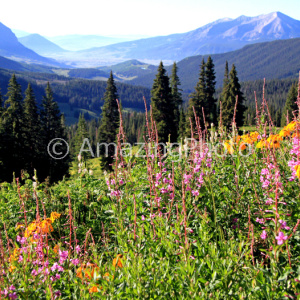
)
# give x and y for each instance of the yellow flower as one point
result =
(262, 144)
(11, 268)
(14, 256)
(297, 168)
(292, 125)
(284, 132)
(117, 262)
(229, 147)
(54, 215)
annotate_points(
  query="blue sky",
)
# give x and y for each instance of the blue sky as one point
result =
(131, 17)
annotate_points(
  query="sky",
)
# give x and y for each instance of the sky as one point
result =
(131, 17)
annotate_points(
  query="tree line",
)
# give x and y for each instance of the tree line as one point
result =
(25, 132)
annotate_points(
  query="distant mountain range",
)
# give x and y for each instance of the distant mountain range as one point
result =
(270, 60)
(10, 47)
(40, 45)
(218, 37)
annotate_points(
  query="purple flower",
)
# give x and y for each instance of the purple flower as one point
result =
(143, 218)
(34, 272)
(263, 235)
(281, 238)
(13, 296)
(75, 262)
(283, 225)
(63, 256)
(57, 294)
(12, 288)
(54, 267)
(57, 276)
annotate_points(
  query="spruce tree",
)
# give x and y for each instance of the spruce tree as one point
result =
(231, 90)
(81, 134)
(52, 129)
(198, 100)
(290, 106)
(177, 96)
(109, 124)
(210, 91)
(163, 106)
(32, 136)
(12, 122)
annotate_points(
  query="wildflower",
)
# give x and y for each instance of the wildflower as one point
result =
(297, 168)
(34, 272)
(77, 248)
(143, 218)
(195, 193)
(56, 248)
(63, 255)
(75, 262)
(283, 225)
(192, 257)
(54, 215)
(88, 270)
(284, 132)
(13, 295)
(117, 262)
(263, 235)
(93, 289)
(281, 238)
(57, 294)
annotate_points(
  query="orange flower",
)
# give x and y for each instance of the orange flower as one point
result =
(117, 262)
(93, 289)
(228, 147)
(88, 270)
(292, 125)
(296, 134)
(284, 132)
(11, 268)
(56, 248)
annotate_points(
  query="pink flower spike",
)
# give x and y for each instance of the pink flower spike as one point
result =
(281, 238)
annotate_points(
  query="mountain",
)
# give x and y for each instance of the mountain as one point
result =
(270, 60)
(40, 45)
(20, 33)
(130, 69)
(10, 47)
(218, 37)
(76, 42)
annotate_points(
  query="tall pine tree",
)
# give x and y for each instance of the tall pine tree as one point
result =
(198, 100)
(32, 137)
(211, 113)
(163, 107)
(52, 128)
(177, 96)
(13, 126)
(231, 90)
(109, 124)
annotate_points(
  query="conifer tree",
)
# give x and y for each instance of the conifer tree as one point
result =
(109, 123)
(231, 90)
(13, 118)
(52, 128)
(81, 134)
(290, 106)
(163, 106)
(176, 94)
(32, 136)
(198, 100)
(210, 91)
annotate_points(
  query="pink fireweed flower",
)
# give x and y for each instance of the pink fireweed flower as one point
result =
(143, 218)
(63, 256)
(192, 257)
(263, 235)
(121, 181)
(158, 176)
(57, 294)
(13, 295)
(195, 193)
(54, 267)
(77, 248)
(281, 238)
(283, 225)
(260, 221)
(34, 272)
(112, 182)
(57, 276)
(75, 262)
